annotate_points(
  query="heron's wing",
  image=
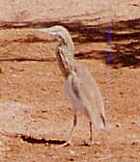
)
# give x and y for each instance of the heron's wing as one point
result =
(93, 95)
(87, 93)
(90, 86)
(72, 93)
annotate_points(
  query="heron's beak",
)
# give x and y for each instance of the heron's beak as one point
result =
(47, 30)
(44, 30)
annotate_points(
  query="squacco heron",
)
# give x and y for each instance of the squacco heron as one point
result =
(80, 86)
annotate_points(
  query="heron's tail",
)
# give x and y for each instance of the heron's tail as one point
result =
(99, 120)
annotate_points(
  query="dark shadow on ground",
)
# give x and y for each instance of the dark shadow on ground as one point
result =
(41, 141)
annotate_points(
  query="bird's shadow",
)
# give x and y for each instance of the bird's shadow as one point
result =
(33, 140)
(42, 141)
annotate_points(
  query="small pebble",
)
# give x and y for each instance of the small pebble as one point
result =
(117, 125)
(133, 143)
(71, 159)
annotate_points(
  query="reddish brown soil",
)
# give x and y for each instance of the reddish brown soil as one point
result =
(39, 84)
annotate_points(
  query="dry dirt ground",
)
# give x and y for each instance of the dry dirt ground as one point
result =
(39, 84)
(42, 119)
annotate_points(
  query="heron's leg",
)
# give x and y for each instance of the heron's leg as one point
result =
(90, 142)
(68, 142)
(74, 125)
(91, 133)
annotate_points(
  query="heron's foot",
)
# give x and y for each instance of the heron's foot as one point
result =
(90, 143)
(65, 144)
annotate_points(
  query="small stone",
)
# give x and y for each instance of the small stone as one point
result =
(121, 93)
(71, 159)
(117, 125)
(133, 143)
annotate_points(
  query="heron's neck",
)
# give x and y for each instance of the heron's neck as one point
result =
(70, 46)
(66, 48)
(67, 42)
(68, 51)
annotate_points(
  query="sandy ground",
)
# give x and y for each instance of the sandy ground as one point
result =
(30, 75)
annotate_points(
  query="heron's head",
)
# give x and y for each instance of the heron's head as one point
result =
(62, 35)
(57, 31)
